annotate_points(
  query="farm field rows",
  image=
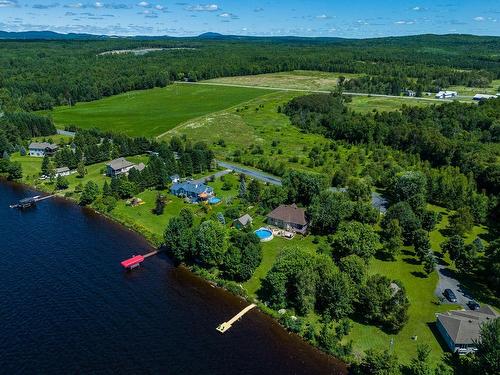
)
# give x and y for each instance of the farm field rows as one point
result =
(150, 113)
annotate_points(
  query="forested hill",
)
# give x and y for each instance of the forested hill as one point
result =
(41, 74)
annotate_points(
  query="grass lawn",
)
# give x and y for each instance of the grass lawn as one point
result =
(152, 112)
(493, 88)
(297, 79)
(366, 104)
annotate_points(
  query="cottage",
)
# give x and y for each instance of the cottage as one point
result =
(446, 94)
(41, 149)
(291, 218)
(194, 190)
(243, 221)
(410, 93)
(63, 171)
(480, 97)
(118, 166)
(461, 329)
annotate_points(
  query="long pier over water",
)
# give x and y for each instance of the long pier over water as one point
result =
(226, 325)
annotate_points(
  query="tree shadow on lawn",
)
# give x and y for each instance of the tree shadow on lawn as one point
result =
(419, 274)
(413, 261)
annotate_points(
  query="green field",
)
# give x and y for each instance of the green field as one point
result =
(297, 79)
(152, 112)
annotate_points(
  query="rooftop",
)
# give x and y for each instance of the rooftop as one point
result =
(289, 214)
(119, 163)
(464, 326)
(42, 145)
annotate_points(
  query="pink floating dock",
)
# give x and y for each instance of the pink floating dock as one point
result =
(133, 262)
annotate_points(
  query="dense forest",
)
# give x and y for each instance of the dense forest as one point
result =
(42, 74)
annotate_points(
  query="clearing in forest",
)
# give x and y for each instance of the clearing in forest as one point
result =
(150, 113)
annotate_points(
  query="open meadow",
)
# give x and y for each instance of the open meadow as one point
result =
(150, 113)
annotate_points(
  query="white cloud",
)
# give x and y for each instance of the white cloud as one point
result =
(405, 22)
(8, 3)
(478, 18)
(228, 15)
(203, 8)
(159, 7)
(323, 17)
(98, 4)
(74, 5)
(144, 4)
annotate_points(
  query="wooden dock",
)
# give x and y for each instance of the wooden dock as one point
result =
(29, 202)
(226, 325)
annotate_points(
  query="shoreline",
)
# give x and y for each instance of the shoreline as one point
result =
(202, 276)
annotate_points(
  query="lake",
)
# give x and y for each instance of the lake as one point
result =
(68, 307)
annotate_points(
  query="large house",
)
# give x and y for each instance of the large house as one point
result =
(461, 329)
(291, 218)
(41, 149)
(194, 190)
(446, 94)
(121, 166)
(480, 97)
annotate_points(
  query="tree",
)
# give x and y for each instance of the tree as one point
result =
(461, 222)
(45, 166)
(211, 243)
(243, 187)
(407, 219)
(454, 246)
(272, 196)
(354, 238)
(411, 187)
(106, 190)
(336, 294)
(422, 243)
(377, 362)
(62, 182)
(327, 210)
(359, 189)
(14, 171)
(429, 262)
(383, 302)
(420, 365)
(392, 240)
(179, 237)
(355, 267)
(159, 205)
(89, 193)
(80, 169)
(253, 191)
(487, 358)
(302, 187)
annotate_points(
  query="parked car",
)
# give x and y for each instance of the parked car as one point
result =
(450, 296)
(473, 305)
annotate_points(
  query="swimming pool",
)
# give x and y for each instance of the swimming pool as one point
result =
(214, 200)
(264, 234)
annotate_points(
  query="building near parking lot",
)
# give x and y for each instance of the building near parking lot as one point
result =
(461, 329)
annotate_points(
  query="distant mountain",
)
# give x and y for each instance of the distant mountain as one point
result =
(50, 35)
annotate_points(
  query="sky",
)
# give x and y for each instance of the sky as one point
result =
(326, 18)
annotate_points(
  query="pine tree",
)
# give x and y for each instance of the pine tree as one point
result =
(82, 171)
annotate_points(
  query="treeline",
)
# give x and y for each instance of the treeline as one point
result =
(454, 134)
(40, 74)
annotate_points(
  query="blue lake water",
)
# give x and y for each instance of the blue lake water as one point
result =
(67, 307)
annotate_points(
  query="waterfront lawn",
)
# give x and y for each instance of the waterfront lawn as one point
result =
(152, 112)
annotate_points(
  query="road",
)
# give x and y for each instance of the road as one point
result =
(214, 176)
(324, 91)
(251, 173)
(446, 281)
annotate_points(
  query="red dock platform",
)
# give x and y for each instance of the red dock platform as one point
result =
(133, 262)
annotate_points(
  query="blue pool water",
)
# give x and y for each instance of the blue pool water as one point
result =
(214, 200)
(263, 233)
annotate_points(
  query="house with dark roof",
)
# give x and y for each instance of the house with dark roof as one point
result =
(288, 217)
(41, 149)
(461, 329)
(119, 166)
(196, 191)
(243, 221)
